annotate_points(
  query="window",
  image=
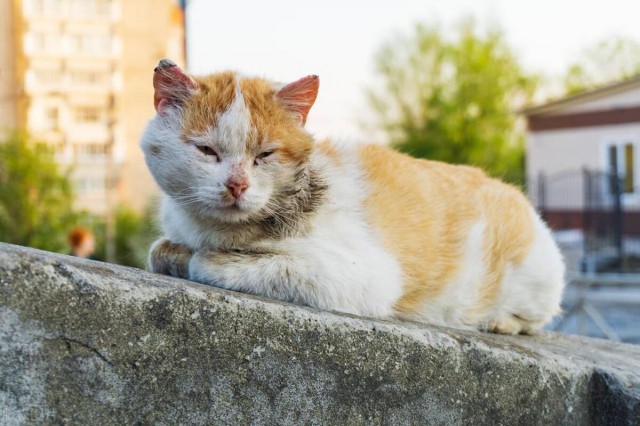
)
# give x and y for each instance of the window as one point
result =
(37, 41)
(39, 7)
(90, 151)
(63, 154)
(43, 42)
(88, 77)
(51, 118)
(103, 7)
(90, 8)
(47, 77)
(621, 160)
(91, 43)
(628, 185)
(88, 114)
(90, 184)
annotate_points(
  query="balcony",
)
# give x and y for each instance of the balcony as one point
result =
(89, 44)
(71, 10)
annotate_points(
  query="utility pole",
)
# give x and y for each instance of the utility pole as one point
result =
(183, 6)
(110, 183)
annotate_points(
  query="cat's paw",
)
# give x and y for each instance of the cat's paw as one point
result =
(169, 258)
(514, 324)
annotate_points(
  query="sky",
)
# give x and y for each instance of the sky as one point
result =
(284, 40)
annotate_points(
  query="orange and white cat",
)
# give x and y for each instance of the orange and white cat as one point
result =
(254, 204)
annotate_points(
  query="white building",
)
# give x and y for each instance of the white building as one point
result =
(592, 133)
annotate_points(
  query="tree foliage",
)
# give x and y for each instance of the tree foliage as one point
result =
(454, 99)
(134, 234)
(610, 60)
(35, 196)
(36, 206)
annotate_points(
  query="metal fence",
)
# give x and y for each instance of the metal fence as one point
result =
(596, 220)
(602, 305)
(592, 203)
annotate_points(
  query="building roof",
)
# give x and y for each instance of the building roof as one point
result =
(583, 97)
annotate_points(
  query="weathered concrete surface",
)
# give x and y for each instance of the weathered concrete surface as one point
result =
(84, 342)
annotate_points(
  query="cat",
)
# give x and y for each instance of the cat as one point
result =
(254, 204)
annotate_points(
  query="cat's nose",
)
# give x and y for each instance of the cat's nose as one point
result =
(237, 188)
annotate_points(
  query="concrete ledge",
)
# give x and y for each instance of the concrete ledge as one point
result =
(84, 342)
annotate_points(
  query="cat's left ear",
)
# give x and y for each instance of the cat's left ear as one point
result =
(171, 85)
(299, 96)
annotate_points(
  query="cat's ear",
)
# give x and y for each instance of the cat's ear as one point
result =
(299, 96)
(171, 85)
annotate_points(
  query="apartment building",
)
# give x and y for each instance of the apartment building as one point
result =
(77, 74)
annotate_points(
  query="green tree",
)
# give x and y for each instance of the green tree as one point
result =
(453, 99)
(610, 60)
(134, 234)
(35, 196)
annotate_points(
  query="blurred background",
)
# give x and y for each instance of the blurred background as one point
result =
(545, 95)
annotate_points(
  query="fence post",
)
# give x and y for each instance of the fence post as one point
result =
(542, 195)
(587, 262)
(617, 213)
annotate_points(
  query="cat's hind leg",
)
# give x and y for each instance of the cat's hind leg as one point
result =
(531, 291)
(514, 324)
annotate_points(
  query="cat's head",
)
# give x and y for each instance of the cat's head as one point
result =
(228, 147)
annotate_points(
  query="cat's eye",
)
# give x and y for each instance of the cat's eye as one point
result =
(207, 150)
(263, 156)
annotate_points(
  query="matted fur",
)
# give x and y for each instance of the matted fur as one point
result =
(352, 228)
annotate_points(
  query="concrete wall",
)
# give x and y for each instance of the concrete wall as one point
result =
(83, 342)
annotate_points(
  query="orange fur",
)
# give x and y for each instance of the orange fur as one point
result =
(424, 211)
(214, 95)
(509, 235)
(327, 148)
(272, 121)
(269, 119)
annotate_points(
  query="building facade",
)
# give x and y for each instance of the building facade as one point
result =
(597, 134)
(80, 78)
(583, 175)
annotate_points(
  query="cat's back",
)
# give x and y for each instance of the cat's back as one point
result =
(444, 223)
(418, 189)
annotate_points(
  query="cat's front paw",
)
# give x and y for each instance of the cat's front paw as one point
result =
(170, 258)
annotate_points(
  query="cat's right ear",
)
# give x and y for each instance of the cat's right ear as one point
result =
(171, 85)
